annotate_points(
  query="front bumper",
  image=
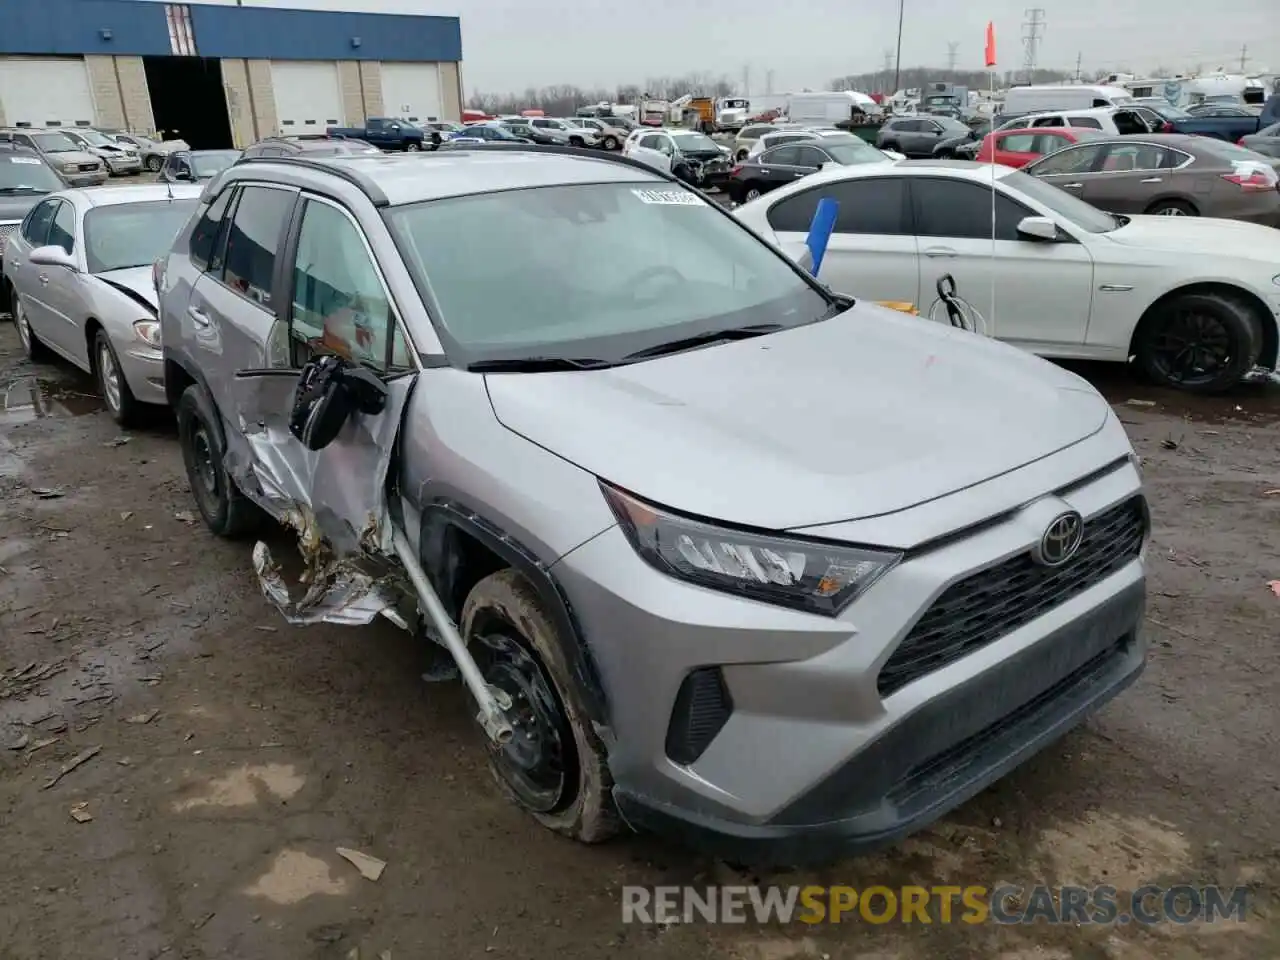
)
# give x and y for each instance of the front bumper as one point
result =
(812, 753)
(143, 369)
(86, 178)
(124, 166)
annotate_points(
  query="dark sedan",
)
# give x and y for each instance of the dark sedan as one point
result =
(1171, 175)
(1266, 141)
(918, 136)
(193, 166)
(782, 164)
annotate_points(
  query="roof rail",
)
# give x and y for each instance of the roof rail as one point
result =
(358, 180)
(579, 152)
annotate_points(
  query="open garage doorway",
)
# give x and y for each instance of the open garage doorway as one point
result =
(188, 101)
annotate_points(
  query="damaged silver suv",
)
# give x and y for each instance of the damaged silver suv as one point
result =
(715, 551)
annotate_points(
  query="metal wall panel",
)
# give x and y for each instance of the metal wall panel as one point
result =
(63, 27)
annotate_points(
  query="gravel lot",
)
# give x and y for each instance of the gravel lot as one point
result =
(236, 753)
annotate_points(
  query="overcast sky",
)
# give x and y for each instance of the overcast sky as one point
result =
(509, 45)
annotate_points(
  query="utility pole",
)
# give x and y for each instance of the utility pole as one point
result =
(1032, 34)
(1079, 57)
(897, 60)
(952, 47)
(1244, 56)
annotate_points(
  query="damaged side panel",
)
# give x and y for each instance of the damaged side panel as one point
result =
(335, 499)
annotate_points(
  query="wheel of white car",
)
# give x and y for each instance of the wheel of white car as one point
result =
(34, 348)
(112, 383)
(1199, 342)
(554, 766)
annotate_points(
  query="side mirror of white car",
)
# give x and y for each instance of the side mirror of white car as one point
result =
(52, 257)
(1038, 228)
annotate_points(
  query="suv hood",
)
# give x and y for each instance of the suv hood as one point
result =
(1231, 238)
(857, 416)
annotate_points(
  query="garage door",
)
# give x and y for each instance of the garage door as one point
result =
(308, 97)
(46, 91)
(411, 90)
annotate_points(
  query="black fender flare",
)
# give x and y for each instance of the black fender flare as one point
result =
(440, 519)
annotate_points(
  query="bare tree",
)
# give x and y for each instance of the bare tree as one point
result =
(564, 99)
(918, 77)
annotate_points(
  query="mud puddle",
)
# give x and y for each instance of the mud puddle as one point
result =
(1256, 400)
(34, 398)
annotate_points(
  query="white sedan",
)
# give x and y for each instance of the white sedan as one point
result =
(1194, 300)
(80, 267)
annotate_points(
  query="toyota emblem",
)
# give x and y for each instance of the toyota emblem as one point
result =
(1061, 540)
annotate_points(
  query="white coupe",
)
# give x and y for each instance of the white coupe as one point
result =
(1193, 300)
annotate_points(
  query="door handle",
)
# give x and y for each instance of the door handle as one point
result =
(198, 317)
(44, 279)
(764, 169)
(1152, 180)
(939, 252)
(1073, 186)
(801, 173)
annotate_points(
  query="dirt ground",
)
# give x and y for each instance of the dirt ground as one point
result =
(234, 754)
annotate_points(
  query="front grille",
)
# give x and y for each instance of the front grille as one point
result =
(88, 167)
(994, 602)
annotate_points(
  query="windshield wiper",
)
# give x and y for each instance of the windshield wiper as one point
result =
(704, 339)
(7, 191)
(537, 364)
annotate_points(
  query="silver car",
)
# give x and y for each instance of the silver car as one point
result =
(69, 159)
(714, 550)
(152, 152)
(122, 160)
(80, 269)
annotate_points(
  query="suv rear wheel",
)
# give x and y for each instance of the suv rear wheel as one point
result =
(226, 510)
(554, 765)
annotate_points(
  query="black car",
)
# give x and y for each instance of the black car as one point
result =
(308, 145)
(782, 164)
(1266, 141)
(964, 145)
(917, 136)
(485, 133)
(531, 134)
(193, 166)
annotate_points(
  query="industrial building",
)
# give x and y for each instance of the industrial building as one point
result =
(218, 75)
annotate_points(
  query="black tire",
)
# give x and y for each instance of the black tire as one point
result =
(502, 620)
(1172, 208)
(32, 345)
(226, 511)
(154, 164)
(610, 143)
(1174, 342)
(413, 146)
(945, 155)
(121, 404)
(750, 191)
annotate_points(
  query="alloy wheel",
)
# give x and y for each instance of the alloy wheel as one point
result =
(20, 321)
(1193, 346)
(109, 375)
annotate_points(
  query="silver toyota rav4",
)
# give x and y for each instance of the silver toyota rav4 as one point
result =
(716, 552)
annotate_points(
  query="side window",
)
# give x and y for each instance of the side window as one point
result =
(1049, 143)
(962, 210)
(206, 237)
(252, 242)
(870, 206)
(539, 122)
(1090, 123)
(1018, 143)
(1099, 102)
(1075, 160)
(650, 142)
(807, 156)
(24, 140)
(1169, 159)
(35, 230)
(62, 233)
(785, 155)
(1047, 122)
(339, 303)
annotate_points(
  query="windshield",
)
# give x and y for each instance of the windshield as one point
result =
(213, 162)
(26, 175)
(95, 138)
(852, 151)
(119, 236)
(1071, 209)
(595, 270)
(686, 142)
(55, 143)
(1121, 101)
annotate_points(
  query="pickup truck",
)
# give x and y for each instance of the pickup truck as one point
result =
(387, 133)
(1230, 129)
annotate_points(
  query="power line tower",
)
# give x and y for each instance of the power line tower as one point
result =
(1079, 58)
(888, 60)
(952, 49)
(1244, 56)
(1032, 34)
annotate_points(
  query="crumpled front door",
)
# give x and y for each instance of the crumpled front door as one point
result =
(335, 499)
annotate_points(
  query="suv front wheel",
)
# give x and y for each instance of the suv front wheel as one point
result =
(227, 511)
(554, 766)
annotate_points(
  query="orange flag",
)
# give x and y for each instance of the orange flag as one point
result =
(991, 44)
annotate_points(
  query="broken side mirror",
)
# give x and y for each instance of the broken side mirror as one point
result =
(329, 391)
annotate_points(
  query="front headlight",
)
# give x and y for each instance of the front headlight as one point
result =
(148, 331)
(790, 572)
(68, 168)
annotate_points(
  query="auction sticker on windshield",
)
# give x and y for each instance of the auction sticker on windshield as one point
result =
(676, 198)
(31, 160)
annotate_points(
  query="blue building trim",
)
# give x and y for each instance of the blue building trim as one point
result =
(138, 28)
